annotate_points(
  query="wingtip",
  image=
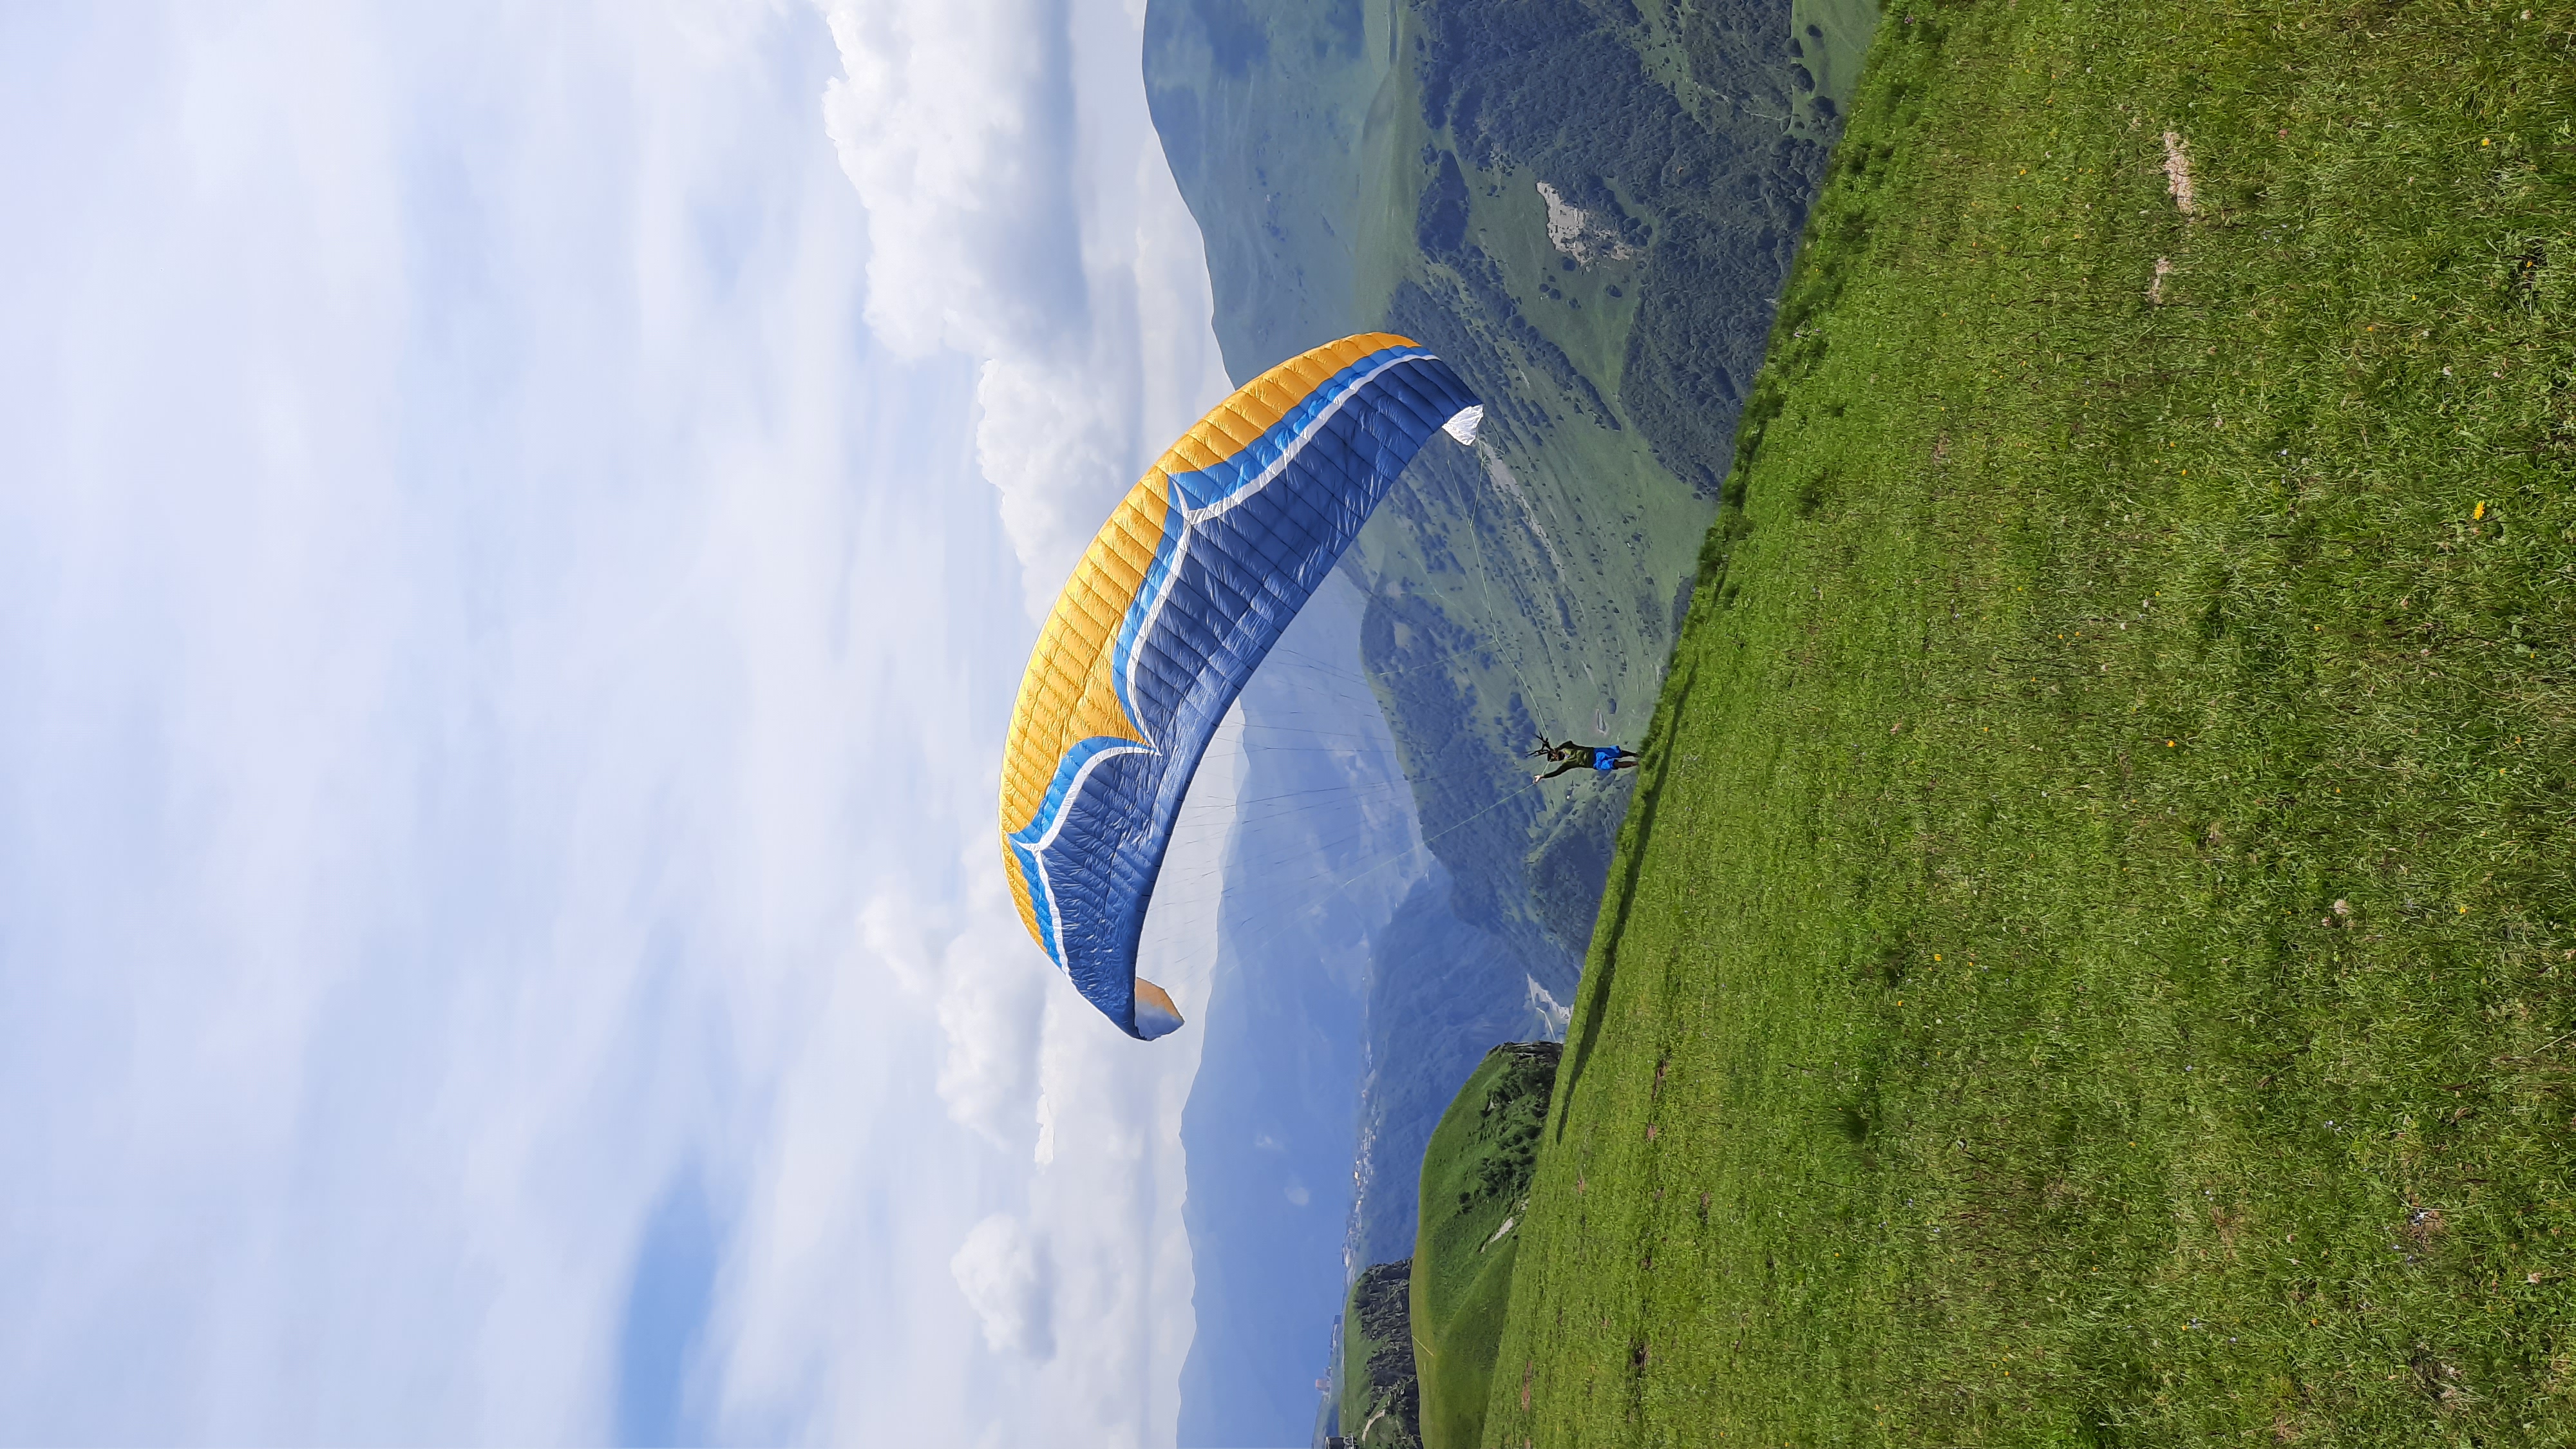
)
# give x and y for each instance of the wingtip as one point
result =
(1156, 1016)
(1462, 424)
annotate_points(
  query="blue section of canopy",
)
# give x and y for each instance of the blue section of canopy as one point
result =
(1245, 544)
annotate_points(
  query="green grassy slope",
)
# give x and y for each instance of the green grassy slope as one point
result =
(1475, 1182)
(1832, 41)
(2089, 960)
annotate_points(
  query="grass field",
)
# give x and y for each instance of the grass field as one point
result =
(2089, 960)
(1475, 1190)
(1833, 39)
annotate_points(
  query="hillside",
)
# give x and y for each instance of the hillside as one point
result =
(1381, 1400)
(2089, 959)
(1375, 165)
(1475, 1187)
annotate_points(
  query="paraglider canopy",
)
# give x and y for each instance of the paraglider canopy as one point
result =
(1174, 605)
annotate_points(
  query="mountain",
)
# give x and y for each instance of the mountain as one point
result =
(1381, 1400)
(1587, 207)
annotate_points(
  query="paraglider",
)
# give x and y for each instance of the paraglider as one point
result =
(1173, 606)
(1600, 759)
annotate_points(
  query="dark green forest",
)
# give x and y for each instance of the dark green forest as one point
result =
(1695, 173)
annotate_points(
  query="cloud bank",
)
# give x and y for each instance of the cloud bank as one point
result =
(512, 574)
(1021, 218)
(1020, 212)
(1003, 1271)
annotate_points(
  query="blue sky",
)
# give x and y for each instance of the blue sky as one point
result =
(519, 527)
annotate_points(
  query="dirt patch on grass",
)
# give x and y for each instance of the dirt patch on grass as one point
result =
(2229, 1222)
(2424, 1227)
(2178, 181)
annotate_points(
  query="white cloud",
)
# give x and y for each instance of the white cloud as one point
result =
(1005, 1275)
(484, 634)
(993, 989)
(956, 124)
(1020, 212)
(504, 670)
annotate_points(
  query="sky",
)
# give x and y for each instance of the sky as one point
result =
(519, 529)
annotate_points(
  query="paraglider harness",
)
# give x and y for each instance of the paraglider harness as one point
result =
(1602, 758)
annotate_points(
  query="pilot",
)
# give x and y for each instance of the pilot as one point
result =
(1601, 759)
